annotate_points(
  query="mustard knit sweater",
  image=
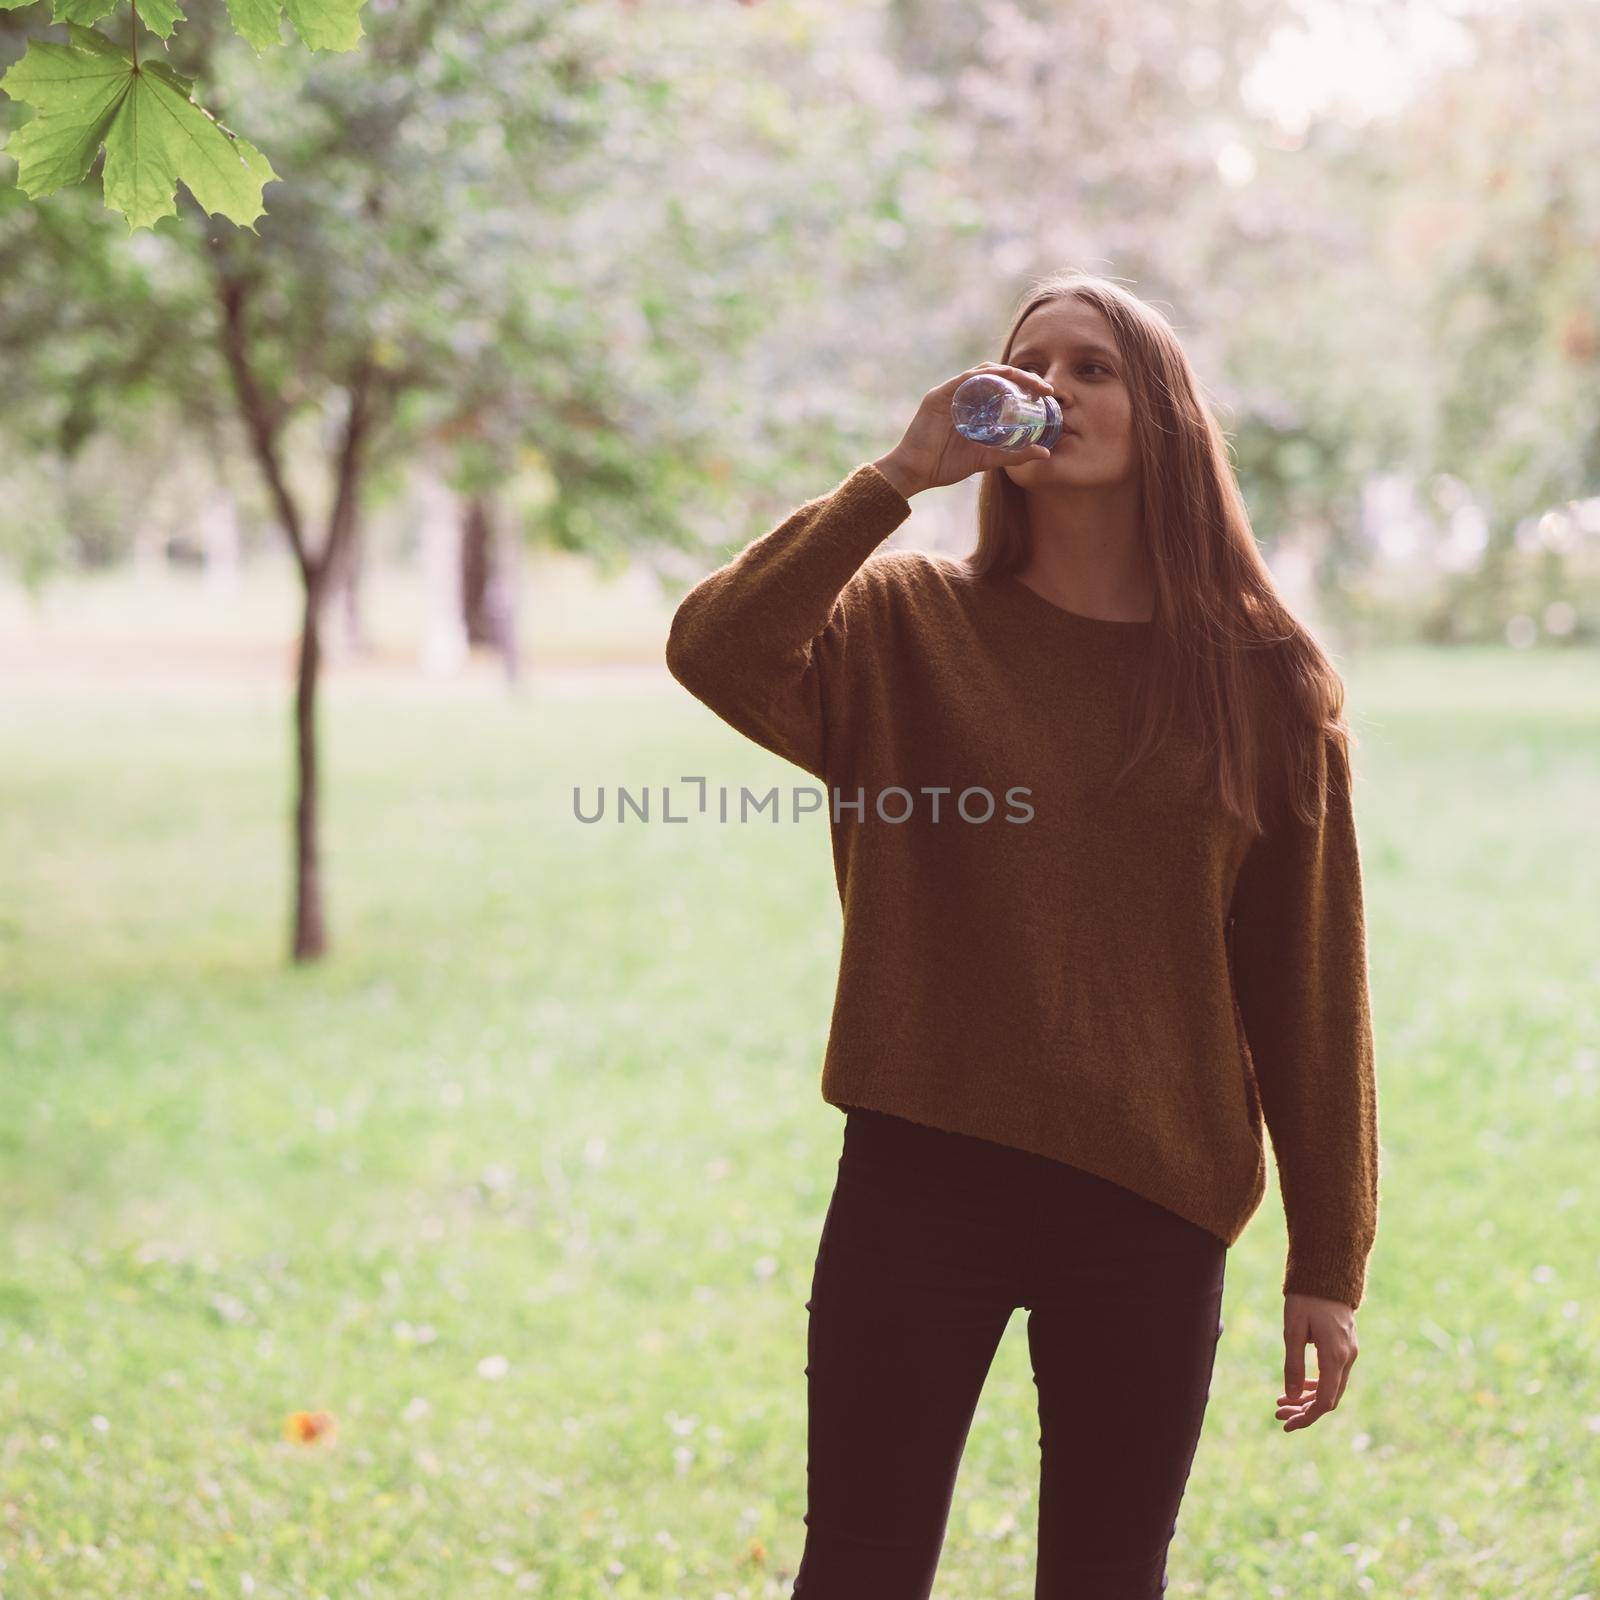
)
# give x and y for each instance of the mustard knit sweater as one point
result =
(1127, 984)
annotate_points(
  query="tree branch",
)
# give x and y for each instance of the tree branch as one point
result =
(348, 467)
(260, 418)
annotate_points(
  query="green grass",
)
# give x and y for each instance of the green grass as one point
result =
(553, 1098)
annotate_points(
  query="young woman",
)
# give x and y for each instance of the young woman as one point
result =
(1090, 800)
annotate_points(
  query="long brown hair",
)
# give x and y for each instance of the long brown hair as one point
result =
(1228, 664)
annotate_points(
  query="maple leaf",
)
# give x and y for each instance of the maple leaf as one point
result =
(88, 92)
(322, 24)
(159, 16)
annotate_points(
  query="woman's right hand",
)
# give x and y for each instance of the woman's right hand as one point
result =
(933, 453)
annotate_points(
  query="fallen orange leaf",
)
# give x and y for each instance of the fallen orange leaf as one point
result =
(305, 1427)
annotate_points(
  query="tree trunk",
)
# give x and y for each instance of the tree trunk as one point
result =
(264, 415)
(477, 569)
(502, 603)
(489, 576)
(310, 938)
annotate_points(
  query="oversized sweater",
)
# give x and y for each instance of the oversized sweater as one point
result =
(1127, 984)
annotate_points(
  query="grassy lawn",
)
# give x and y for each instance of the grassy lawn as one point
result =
(523, 1184)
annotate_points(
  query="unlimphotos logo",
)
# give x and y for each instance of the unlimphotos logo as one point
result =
(893, 804)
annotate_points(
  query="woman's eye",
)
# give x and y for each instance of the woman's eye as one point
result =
(1029, 367)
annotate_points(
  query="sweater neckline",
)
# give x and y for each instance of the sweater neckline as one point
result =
(1106, 628)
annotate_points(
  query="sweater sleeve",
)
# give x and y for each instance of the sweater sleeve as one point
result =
(1300, 978)
(761, 639)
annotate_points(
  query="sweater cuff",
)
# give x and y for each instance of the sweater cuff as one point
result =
(867, 481)
(1332, 1274)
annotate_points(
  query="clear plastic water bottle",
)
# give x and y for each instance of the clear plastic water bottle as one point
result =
(990, 409)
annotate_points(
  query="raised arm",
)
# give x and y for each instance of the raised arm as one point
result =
(761, 639)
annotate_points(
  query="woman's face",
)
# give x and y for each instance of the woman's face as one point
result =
(1071, 344)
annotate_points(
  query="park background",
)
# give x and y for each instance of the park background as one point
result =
(424, 1203)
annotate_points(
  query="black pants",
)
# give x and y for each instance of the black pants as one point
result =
(931, 1240)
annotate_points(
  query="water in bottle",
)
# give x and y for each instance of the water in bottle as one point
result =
(991, 409)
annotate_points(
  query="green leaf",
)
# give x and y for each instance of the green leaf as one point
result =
(87, 93)
(84, 11)
(160, 137)
(258, 22)
(322, 24)
(159, 16)
(76, 94)
(327, 24)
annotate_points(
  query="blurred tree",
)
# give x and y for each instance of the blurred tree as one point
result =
(391, 300)
(488, 581)
(427, 292)
(1495, 209)
(95, 340)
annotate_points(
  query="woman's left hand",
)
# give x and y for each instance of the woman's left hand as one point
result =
(1330, 1325)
